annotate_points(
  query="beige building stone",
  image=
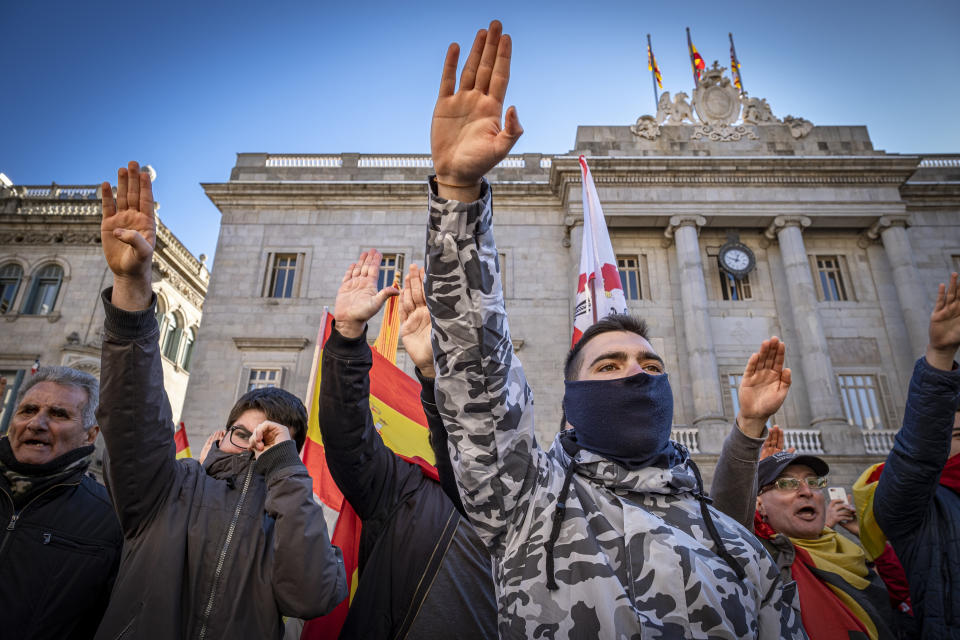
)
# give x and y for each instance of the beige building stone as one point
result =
(850, 243)
(52, 271)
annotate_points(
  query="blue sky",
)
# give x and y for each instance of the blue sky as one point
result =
(185, 86)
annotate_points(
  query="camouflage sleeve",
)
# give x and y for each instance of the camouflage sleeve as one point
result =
(780, 613)
(481, 390)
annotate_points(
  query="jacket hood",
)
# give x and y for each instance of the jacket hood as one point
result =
(677, 479)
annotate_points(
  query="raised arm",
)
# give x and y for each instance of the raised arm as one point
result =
(922, 446)
(133, 414)
(763, 388)
(363, 467)
(482, 394)
(415, 335)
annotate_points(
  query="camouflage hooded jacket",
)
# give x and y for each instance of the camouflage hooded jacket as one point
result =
(633, 558)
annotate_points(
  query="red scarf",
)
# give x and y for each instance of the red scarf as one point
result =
(824, 615)
(950, 477)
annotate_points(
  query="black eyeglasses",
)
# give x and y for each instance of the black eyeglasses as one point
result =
(239, 436)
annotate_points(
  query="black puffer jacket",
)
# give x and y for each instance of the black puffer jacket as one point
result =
(216, 551)
(58, 558)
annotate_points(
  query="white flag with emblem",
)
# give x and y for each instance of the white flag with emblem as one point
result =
(599, 291)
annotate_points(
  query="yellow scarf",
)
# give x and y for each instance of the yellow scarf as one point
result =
(835, 554)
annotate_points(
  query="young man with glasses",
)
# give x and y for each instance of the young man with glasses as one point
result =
(840, 595)
(222, 549)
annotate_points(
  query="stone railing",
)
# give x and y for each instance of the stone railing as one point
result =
(546, 163)
(57, 192)
(690, 438)
(804, 440)
(879, 442)
(304, 161)
(415, 162)
(948, 161)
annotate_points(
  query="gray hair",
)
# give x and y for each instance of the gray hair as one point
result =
(69, 377)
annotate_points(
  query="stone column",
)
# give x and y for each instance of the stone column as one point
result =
(702, 359)
(822, 392)
(892, 231)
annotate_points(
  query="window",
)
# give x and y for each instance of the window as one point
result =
(860, 401)
(829, 277)
(44, 291)
(734, 289)
(390, 268)
(283, 281)
(170, 339)
(14, 379)
(10, 277)
(189, 337)
(161, 314)
(263, 378)
(733, 389)
(630, 277)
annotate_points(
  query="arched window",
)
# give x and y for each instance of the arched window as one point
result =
(44, 290)
(161, 313)
(10, 277)
(189, 337)
(171, 338)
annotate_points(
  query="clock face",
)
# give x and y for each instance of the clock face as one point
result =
(736, 260)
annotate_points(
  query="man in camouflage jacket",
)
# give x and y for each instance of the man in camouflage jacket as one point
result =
(635, 556)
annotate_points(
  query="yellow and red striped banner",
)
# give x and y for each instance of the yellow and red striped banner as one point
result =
(180, 439)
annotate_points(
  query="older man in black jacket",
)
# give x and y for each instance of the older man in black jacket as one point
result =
(60, 549)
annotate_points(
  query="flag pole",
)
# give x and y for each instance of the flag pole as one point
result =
(315, 365)
(736, 61)
(653, 72)
(693, 65)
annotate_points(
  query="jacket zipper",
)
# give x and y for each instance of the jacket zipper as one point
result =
(223, 553)
(15, 517)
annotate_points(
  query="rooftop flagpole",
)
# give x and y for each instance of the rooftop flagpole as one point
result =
(693, 65)
(735, 66)
(652, 66)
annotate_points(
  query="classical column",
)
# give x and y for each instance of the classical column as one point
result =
(892, 230)
(702, 360)
(822, 393)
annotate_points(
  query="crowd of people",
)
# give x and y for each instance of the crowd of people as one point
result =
(609, 533)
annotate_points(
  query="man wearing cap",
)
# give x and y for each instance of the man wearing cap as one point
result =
(840, 596)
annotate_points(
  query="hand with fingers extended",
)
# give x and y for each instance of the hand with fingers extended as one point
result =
(415, 322)
(358, 299)
(266, 435)
(467, 137)
(763, 387)
(128, 233)
(839, 512)
(774, 443)
(216, 436)
(945, 326)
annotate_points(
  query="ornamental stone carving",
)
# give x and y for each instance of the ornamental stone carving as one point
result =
(716, 100)
(799, 127)
(676, 112)
(646, 127)
(757, 111)
(724, 133)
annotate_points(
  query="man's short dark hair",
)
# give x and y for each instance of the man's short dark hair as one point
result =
(614, 322)
(279, 406)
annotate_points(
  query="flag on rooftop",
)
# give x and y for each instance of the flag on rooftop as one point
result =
(599, 291)
(696, 60)
(735, 66)
(652, 66)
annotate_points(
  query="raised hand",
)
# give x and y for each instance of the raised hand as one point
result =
(128, 233)
(763, 387)
(774, 443)
(945, 326)
(216, 436)
(266, 435)
(839, 512)
(415, 322)
(358, 299)
(466, 136)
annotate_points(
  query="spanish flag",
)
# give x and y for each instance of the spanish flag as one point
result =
(652, 66)
(398, 415)
(180, 439)
(697, 61)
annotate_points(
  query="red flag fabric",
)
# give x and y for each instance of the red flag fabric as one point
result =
(180, 438)
(652, 66)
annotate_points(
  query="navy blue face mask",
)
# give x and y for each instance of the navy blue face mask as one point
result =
(626, 420)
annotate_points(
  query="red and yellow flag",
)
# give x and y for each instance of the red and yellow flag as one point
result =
(652, 66)
(180, 439)
(697, 61)
(735, 67)
(398, 416)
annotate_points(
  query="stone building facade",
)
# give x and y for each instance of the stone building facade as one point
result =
(847, 245)
(52, 271)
